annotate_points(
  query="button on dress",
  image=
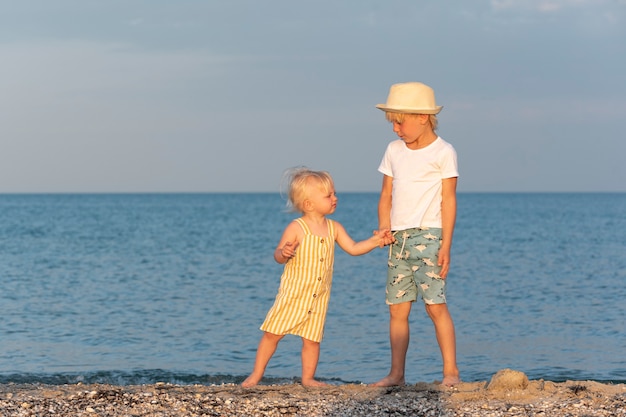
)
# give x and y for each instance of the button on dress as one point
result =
(302, 300)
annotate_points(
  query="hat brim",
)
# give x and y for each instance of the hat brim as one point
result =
(407, 110)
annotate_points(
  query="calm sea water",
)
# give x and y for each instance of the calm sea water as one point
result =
(143, 288)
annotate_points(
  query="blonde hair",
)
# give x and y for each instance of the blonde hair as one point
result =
(400, 117)
(298, 182)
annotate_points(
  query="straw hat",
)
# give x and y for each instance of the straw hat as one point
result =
(415, 98)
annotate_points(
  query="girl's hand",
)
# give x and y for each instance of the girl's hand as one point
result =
(384, 237)
(289, 250)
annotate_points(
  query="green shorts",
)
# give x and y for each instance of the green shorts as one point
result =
(412, 267)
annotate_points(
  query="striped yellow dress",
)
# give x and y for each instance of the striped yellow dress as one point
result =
(302, 301)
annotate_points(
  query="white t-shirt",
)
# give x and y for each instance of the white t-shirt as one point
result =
(417, 176)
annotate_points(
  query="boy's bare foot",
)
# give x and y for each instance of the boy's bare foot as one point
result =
(250, 381)
(450, 381)
(313, 383)
(389, 381)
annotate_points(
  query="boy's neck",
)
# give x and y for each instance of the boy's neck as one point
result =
(423, 141)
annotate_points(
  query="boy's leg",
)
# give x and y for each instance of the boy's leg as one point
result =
(310, 358)
(267, 347)
(444, 330)
(399, 340)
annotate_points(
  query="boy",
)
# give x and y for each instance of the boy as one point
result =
(418, 204)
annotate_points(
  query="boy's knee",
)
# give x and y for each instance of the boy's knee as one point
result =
(436, 310)
(400, 311)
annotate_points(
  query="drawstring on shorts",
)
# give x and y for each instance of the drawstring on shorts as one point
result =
(405, 235)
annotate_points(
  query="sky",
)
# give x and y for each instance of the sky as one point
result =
(224, 96)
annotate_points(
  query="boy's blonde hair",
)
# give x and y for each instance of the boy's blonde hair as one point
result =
(299, 180)
(400, 117)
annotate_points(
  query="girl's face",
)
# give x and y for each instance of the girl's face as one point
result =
(321, 200)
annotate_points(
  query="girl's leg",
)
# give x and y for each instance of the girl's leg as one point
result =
(444, 329)
(267, 347)
(310, 357)
(399, 340)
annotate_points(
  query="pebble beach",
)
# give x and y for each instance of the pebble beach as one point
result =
(508, 393)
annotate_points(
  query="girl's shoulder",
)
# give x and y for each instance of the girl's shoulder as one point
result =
(334, 228)
(294, 229)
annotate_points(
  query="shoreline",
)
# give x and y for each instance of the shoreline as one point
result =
(536, 397)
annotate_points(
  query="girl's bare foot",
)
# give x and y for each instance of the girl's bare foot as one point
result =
(389, 381)
(250, 381)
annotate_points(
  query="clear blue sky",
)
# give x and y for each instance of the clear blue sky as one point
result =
(190, 95)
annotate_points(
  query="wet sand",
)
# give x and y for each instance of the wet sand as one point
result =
(531, 398)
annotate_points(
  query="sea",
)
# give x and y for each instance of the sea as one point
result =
(143, 288)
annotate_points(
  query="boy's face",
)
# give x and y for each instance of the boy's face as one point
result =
(411, 128)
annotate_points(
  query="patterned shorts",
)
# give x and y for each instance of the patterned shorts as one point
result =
(413, 267)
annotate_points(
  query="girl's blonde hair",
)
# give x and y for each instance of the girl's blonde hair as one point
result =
(298, 182)
(400, 117)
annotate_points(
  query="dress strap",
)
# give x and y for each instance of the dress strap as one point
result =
(331, 229)
(307, 231)
(303, 225)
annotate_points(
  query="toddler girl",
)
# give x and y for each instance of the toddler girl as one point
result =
(307, 251)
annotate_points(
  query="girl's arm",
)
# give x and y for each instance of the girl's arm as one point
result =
(288, 243)
(448, 219)
(353, 248)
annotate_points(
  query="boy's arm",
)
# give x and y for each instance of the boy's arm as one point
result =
(448, 219)
(384, 205)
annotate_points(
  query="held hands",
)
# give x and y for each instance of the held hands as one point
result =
(384, 237)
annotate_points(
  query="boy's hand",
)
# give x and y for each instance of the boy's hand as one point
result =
(384, 237)
(443, 260)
